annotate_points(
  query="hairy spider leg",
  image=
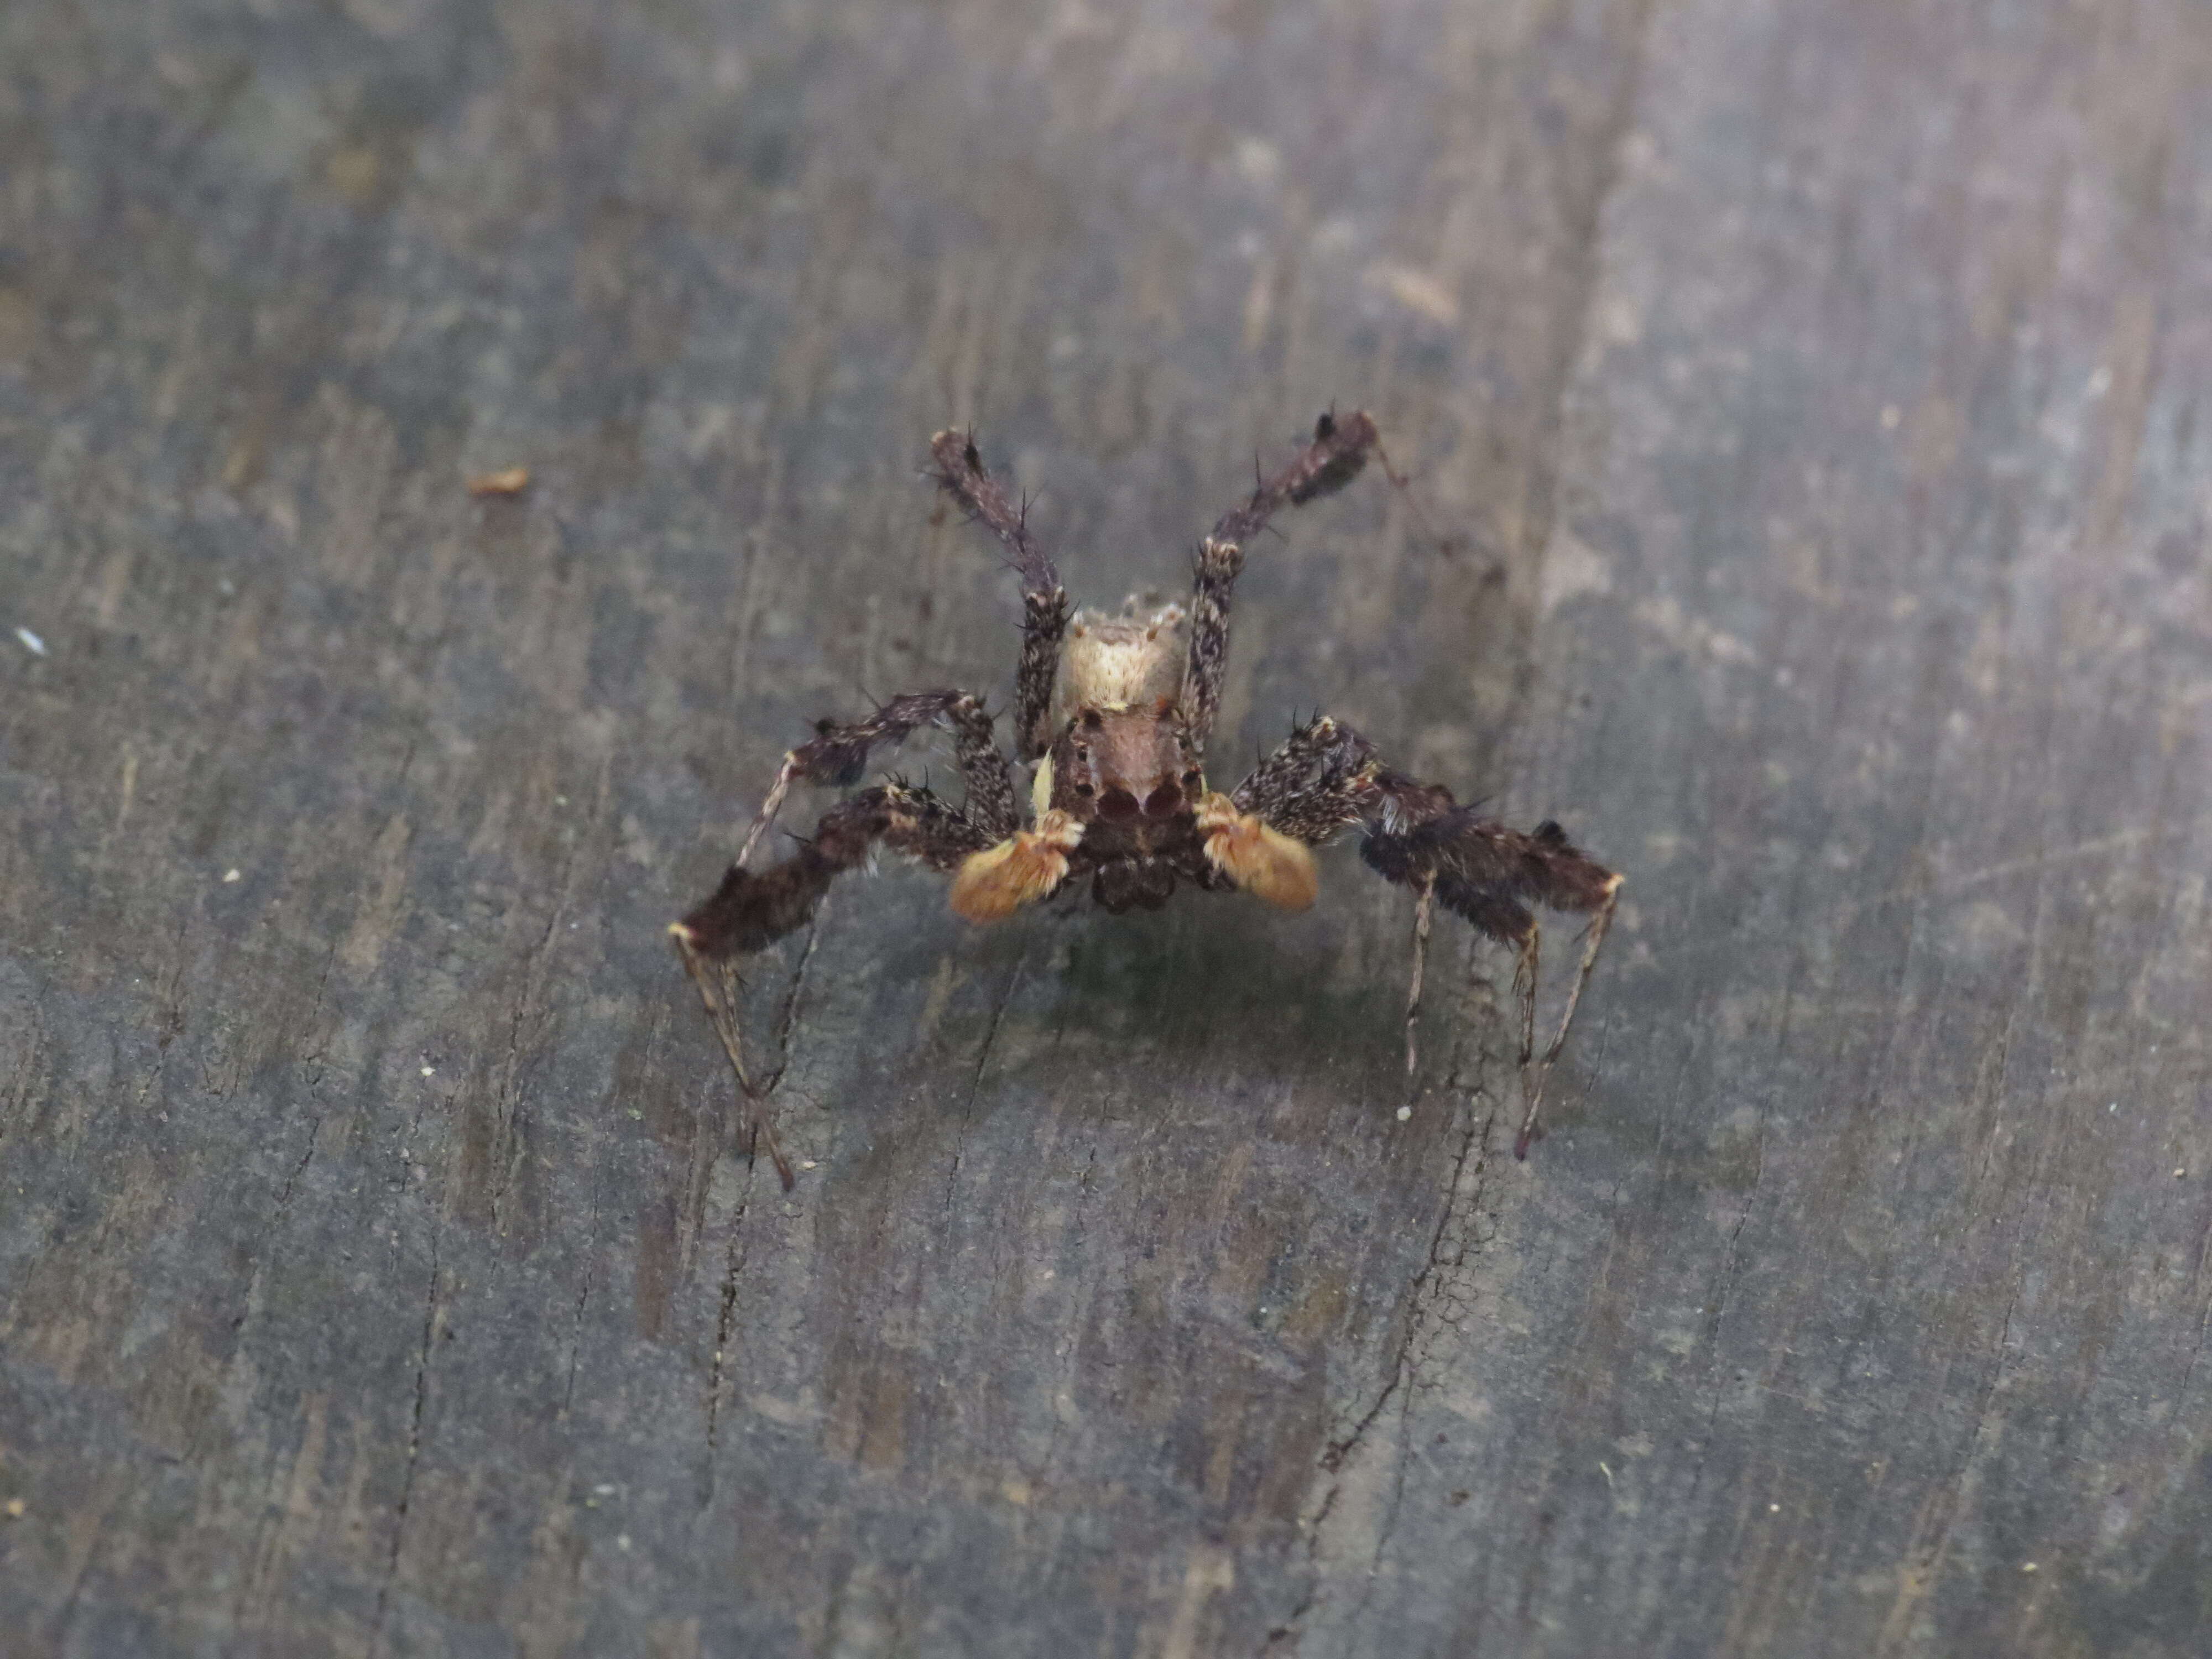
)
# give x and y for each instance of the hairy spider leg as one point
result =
(1332, 459)
(750, 910)
(1213, 581)
(838, 755)
(961, 474)
(1326, 777)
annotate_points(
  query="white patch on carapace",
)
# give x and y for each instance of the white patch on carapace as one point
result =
(1125, 661)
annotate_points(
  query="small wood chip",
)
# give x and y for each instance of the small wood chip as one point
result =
(512, 481)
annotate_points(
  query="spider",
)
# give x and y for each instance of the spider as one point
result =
(1112, 712)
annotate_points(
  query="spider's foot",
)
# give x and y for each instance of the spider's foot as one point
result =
(1025, 867)
(1260, 859)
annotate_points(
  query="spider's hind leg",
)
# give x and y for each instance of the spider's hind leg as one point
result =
(1487, 870)
(750, 910)
(1483, 871)
(838, 754)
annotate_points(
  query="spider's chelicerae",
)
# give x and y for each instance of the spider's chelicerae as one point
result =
(1113, 714)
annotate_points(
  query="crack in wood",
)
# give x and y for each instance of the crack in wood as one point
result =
(583, 1299)
(786, 1020)
(414, 1450)
(17, 1106)
(1917, 1575)
(313, 1064)
(506, 1109)
(725, 1328)
(1720, 1312)
(1422, 1300)
(1582, 238)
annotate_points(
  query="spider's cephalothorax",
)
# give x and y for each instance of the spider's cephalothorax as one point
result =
(1113, 714)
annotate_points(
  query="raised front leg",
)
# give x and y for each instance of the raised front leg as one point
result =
(961, 474)
(1338, 450)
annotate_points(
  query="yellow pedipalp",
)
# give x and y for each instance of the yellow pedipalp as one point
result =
(993, 884)
(1259, 859)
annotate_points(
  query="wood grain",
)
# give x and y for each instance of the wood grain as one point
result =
(1808, 394)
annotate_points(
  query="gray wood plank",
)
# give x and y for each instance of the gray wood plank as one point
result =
(1809, 395)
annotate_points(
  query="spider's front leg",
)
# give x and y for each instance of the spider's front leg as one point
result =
(961, 475)
(1327, 777)
(1338, 450)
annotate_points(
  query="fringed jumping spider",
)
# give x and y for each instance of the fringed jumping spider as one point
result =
(1113, 714)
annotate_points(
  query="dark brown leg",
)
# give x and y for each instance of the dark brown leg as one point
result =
(838, 755)
(750, 911)
(1327, 776)
(961, 474)
(1207, 665)
(1601, 921)
(1323, 780)
(1332, 459)
(1338, 450)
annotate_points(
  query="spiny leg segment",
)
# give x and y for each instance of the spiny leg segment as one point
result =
(749, 910)
(961, 475)
(1327, 777)
(838, 755)
(1338, 450)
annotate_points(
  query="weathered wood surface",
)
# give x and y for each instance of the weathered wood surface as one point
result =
(1814, 389)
